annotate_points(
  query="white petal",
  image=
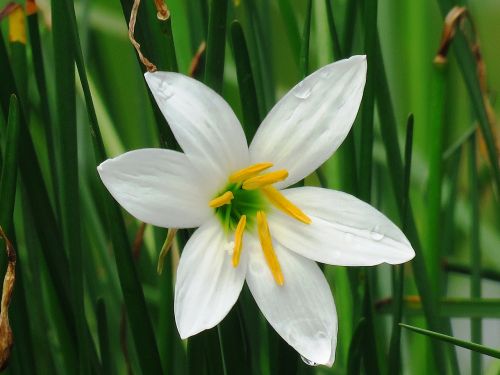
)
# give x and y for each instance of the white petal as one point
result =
(311, 121)
(202, 122)
(302, 311)
(157, 186)
(344, 231)
(207, 284)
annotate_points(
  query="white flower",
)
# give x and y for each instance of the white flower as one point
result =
(250, 229)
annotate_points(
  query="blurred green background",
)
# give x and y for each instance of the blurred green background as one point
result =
(87, 296)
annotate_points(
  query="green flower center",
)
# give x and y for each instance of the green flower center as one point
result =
(245, 202)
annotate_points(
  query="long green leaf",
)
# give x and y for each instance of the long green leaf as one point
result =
(68, 168)
(391, 143)
(216, 43)
(475, 253)
(304, 45)
(246, 84)
(464, 344)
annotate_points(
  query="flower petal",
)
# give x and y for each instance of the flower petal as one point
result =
(311, 121)
(158, 187)
(302, 311)
(202, 122)
(207, 284)
(345, 231)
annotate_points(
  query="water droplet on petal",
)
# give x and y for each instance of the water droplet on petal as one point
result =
(308, 361)
(229, 247)
(375, 233)
(302, 91)
(165, 91)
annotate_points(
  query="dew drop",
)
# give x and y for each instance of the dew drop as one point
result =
(164, 91)
(302, 91)
(229, 247)
(308, 361)
(375, 233)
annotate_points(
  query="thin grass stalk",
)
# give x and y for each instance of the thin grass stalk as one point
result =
(216, 43)
(246, 83)
(334, 36)
(394, 356)
(434, 185)
(475, 253)
(464, 344)
(68, 170)
(304, 44)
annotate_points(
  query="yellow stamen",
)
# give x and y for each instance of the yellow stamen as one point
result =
(285, 205)
(267, 247)
(221, 200)
(270, 178)
(249, 172)
(238, 240)
(17, 26)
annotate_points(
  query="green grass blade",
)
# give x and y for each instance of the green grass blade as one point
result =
(464, 344)
(396, 170)
(468, 68)
(367, 106)
(434, 184)
(356, 349)
(337, 51)
(8, 177)
(394, 357)
(102, 329)
(475, 253)
(68, 169)
(304, 44)
(22, 356)
(292, 28)
(216, 43)
(451, 265)
(46, 227)
(246, 83)
(149, 35)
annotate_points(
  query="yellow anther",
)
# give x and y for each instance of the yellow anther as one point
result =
(249, 172)
(285, 205)
(17, 26)
(265, 179)
(267, 246)
(238, 240)
(221, 200)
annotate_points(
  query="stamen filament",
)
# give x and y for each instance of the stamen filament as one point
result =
(265, 179)
(249, 172)
(221, 200)
(285, 205)
(267, 248)
(238, 240)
